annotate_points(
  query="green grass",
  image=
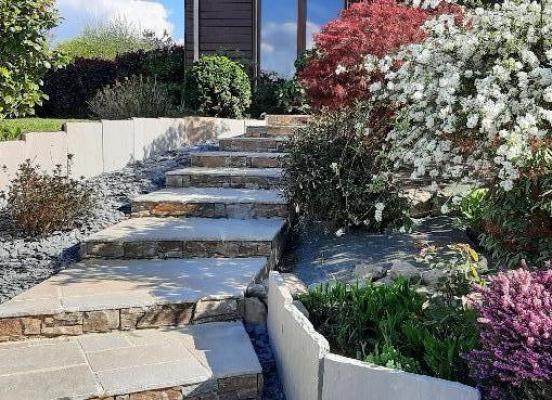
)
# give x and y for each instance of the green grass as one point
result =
(11, 129)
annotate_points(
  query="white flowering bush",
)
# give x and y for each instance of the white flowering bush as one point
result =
(474, 100)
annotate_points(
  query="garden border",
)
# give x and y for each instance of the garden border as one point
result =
(93, 147)
(309, 371)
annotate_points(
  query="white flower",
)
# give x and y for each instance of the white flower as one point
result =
(472, 121)
(445, 209)
(340, 70)
(378, 215)
(507, 185)
(340, 232)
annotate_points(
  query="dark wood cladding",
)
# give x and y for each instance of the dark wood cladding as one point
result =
(227, 26)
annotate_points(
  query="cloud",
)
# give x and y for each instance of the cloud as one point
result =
(141, 14)
(278, 45)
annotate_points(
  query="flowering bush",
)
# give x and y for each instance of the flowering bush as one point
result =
(475, 100)
(335, 74)
(333, 173)
(515, 314)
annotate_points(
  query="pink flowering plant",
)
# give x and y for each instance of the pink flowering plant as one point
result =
(515, 316)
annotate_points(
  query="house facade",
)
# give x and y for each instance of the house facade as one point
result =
(233, 27)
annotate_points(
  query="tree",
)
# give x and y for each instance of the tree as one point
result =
(106, 41)
(24, 53)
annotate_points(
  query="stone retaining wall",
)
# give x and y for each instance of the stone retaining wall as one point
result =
(310, 372)
(91, 148)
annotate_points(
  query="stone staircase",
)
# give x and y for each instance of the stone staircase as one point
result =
(154, 309)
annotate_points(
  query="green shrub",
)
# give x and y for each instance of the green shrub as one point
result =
(24, 53)
(276, 95)
(9, 133)
(134, 97)
(335, 172)
(105, 41)
(217, 86)
(40, 203)
(392, 325)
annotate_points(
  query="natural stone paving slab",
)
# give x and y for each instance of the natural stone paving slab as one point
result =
(150, 238)
(215, 359)
(287, 120)
(104, 296)
(270, 145)
(270, 131)
(248, 178)
(228, 159)
(211, 203)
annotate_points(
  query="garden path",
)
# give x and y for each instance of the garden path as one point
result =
(153, 310)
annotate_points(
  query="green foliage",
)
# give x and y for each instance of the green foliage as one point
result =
(24, 53)
(9, 133)
(471, 206)
(41, 203)
(134, 97)
(105, 41)
(394, 326)
(219, 87)
(276, 95)
(335, 172)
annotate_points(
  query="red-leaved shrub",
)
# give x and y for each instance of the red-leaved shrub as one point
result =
(334, 76)
(515, 312)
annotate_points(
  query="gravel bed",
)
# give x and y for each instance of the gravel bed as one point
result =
(25, 262)
(272, 389)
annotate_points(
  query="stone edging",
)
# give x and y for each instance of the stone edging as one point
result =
(310, 372)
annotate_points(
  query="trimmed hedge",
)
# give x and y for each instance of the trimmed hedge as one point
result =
(71, 88)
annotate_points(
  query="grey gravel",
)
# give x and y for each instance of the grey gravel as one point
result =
(25, 262)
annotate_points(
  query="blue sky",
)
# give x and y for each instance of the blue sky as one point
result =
(278, 16)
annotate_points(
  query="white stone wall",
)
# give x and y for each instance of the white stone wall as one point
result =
(310, 372)
(298, 348)
(91, 148)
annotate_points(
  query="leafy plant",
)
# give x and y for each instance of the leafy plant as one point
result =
(24, 53)
(219, 87)
(276, 95)
(40, 203)
(9, 133)
(394, 326)
(335, 172)
(515, 359)
(134, 97)
(105, 41)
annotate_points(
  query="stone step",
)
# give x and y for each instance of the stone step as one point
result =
(228, 159)
(209, 361)
(288, 120)
(237, 178)
(151, 238)
(260, 145)
(271, 131)
(211, 203)
(98, 296)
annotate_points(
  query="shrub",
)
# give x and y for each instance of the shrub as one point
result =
(134, 97)
(41, 203)
(9, 133)
(391, 325)
(475, 101)
(105, 41)
(217, 86)
(335, 172)
(276, 95)
(335, 74)
(515, 360)
(24, 53)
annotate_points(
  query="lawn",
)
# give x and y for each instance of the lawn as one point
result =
(11, 129)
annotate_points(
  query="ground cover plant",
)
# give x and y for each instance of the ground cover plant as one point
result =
(40, 203)
(393, 326)
(219, 87)
(24, 54)
(334, 173)
(12, 129)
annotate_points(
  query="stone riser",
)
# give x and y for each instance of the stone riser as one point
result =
(225, 161)
(245, 387)
(287, 120)
(269, 131)
(235, 182)
(127, 319)
(209, 210)
(254, 145)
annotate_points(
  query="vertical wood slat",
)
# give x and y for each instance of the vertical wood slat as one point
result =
(301, 27)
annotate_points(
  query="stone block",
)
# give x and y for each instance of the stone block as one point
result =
(255, 311)
(10, 328)
(118, 144)
(162, 394)
(85, 148)
(31, 326)
(12, 154)
(216, 310)
(47, 149)
(100, 321)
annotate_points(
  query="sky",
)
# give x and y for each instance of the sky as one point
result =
(278, 22)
